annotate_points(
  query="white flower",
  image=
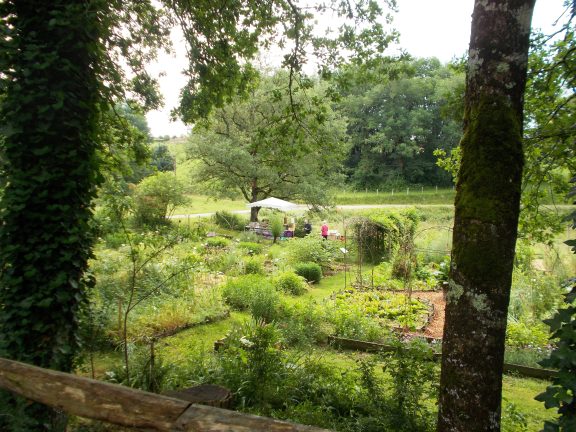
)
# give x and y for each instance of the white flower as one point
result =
(246, 342)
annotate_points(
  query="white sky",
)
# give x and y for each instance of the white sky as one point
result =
(439, 28)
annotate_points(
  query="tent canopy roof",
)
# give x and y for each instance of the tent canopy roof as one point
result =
(274, 203)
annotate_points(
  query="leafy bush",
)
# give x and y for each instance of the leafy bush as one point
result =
(299, 228)
(520, 334)
(249, 237)
(217, 242)
(253, 266)
(350, 321)
(155, 197)
(310, 271)
(229, 220)
(276, 227)
(264, 304)
(238, 292)
(313, 249)
(304, 324)
(561, 394)
(309, 389)
(251, 248)
(414, 380)
(290, 283)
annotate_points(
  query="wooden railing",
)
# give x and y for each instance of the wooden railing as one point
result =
(125, 406)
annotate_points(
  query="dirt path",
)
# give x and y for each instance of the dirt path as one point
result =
(436, 327)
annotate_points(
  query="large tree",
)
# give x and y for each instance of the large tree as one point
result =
(485, 227)
(396, 124)
(63, 63)
(270, 144)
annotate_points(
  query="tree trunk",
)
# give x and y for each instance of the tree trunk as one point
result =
(254, 214)
(486, 218)
(50, 116)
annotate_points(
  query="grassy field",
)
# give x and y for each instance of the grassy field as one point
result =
(399, 196)
(198, 204)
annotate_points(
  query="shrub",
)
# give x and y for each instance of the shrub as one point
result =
(313, 249)
(304, 324)
(239, 292)
(290, 283)
(229, 220)
(217, 242)
(155, 197)
(249, 237)
(276, 227)
(264, 304)
(250, 248)
(519, 334)
(350, 321)
(310, 271)
(414, 379)
(255, 293)
(299, 228)
(253, 266)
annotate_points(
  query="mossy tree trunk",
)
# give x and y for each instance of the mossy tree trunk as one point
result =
(486, 218)
(50, 113)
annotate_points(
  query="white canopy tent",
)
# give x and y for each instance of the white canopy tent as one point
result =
(274, 203)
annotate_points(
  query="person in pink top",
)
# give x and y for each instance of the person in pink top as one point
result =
(324, 230)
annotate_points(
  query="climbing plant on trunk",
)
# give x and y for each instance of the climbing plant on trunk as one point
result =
(486, 217)
(50, 114)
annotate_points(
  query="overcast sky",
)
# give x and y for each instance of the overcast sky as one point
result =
(439, 28)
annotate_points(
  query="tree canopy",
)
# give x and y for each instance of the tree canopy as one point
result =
(398, 122)
(271, 144)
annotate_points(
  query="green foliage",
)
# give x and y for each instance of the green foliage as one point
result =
(396, 124)
(162, 159)
(312, 249)
(306, 388)
(271, 143)
(229, 220)
(310, 271)
(156, 197)
(290, 283)
(519, 334)
(350, 321)
(217, 242)
(264, 303)
(149, 372)
(414, 380)
(304, 324)
(385, 308)
(251, 248)
(276, 227)
(254, 266)
(240, 291)
(530, 356)
(49, 115)
(562, 393)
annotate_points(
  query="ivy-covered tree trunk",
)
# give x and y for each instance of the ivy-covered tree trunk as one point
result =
(485, 226)
(49, 58)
